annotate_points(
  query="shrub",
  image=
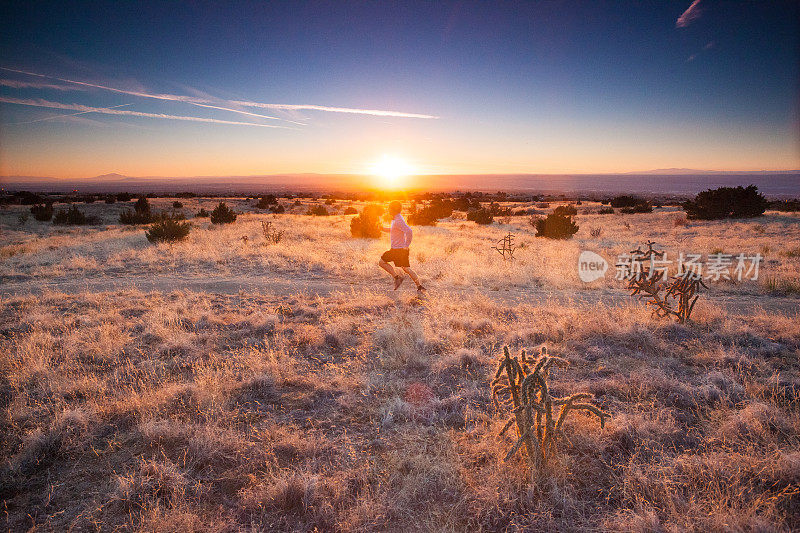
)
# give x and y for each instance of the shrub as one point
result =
(351, 211)
(134, 217)
(222, 214)
(278, 209)
(142, 205)
(73, 217)
(606, 211)
(625, 201)
(266, 201)
(481, 216)
(330, 201)
(42, 212)
(124, 197)
(726, 202)
(202, 213)
(568, 210)
(168, 230)
(111, 199)
(177, 205)
(139, 215)
(643, 207)
(367, 225)
(785, 205)
(318, 211)
(556, 227)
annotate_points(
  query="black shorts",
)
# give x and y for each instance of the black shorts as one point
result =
(398, 256)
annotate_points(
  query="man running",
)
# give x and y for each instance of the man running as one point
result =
(400, 238)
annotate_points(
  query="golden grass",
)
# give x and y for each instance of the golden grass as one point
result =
(361, 410)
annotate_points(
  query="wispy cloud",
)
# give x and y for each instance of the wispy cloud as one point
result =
(204, 102)
(691, 14)
(244, 112)
(15, 84)
(296, 107)
(112, 111)
(54, 117)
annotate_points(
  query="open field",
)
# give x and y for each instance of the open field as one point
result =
(219, 384)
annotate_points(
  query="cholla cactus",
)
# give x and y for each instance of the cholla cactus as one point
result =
(646, 283)
(538, 414)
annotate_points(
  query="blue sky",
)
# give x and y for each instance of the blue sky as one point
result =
(474, 87)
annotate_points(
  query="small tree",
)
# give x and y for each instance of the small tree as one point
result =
(556, 227)
(222, 214)
(266, 201)
(481, 216)
(168, 230)
(73, 217)
(42, 212)
(568, 210)
(726, 202)
(318, 211)
(367, 225)
(177, 205)
(351, 211)
(202, 213)
(139, 215)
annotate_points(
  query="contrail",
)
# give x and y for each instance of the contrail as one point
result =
(110, 111)
(375, 112)
(62, 116)
(33, 85)
(204, 101)
(244, 112)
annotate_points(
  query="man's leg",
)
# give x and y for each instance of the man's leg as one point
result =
(388, 268)
(412, 275)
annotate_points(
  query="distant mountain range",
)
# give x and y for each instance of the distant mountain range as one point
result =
(683, 182)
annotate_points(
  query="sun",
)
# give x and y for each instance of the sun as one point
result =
(392, 171)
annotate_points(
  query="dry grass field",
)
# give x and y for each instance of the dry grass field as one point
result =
(220, 384)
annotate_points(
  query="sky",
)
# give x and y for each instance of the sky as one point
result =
(252, 88)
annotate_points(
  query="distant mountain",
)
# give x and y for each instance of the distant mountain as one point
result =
(696, 172)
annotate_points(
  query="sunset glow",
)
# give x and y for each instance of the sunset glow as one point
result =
(391, 172)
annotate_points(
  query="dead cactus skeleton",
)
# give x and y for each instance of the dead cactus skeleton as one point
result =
(521, 385)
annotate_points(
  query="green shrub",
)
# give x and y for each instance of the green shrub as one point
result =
(139, 215)
(568, 210)
(318, 211)
(73, 217)
(351, 211)
(202, 214)
(168, 230)
(42, 212)
(606, 211)
(177, 205)
(625, 201)
(480, 216)
(726, 202)
(367, 225)
(266, 201)
(428, 215)
(643, 207)
(222, 214)
(111, 199)
(556, 227)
